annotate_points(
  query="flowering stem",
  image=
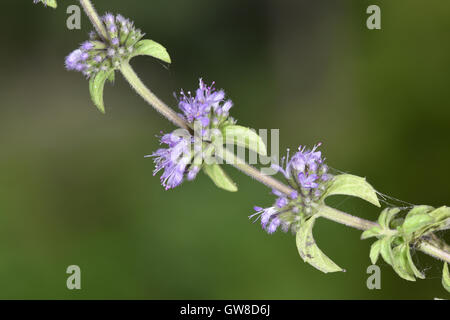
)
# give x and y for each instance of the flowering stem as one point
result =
(150, 97)
(326, 211)
(94, 17)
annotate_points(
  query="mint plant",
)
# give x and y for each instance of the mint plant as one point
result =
(198, 145)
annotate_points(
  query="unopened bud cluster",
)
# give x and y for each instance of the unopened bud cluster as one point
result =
(98, 54)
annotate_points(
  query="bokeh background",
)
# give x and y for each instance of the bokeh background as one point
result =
(75, 187)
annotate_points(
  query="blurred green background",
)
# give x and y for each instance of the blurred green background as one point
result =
(75, 187)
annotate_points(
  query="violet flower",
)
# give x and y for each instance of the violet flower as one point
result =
(307, 174)
(185, 155)
(208, 108)
(178, 160)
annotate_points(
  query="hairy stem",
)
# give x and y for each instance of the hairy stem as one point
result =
(346, 219)
(434, 251)
(150, 97)
(94, 17)
(326, 211)
(252, 172)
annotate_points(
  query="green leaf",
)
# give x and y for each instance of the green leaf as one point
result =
(420, 210)
(446, 277)
(310, 252)
(219, 177)
(151, 48)
(375, 251)
(244, 137)
(386, 249)
(386, 217)
(400, 262)
(416, 222)
(441, 213)
(50, 3)
(350, 185)
(96, 86)
(412, 266)
(372, 232)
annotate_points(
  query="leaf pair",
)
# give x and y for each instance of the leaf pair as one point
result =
(242, 137)
(344, 184)
(394, 245)
(398, 257)
(143, 47)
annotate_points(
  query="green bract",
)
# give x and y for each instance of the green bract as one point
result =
(219, 177)
(96, 86)
(310, 252)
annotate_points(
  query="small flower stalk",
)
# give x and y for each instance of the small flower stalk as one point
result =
(308, 175)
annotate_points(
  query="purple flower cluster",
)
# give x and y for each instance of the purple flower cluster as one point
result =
(185, 153)
(99, 54)
(179, 160)
(208, 107)
(308, 175)
(305, 170)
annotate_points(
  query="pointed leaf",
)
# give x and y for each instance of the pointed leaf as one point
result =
(375, 251)
(441, 213)
(219, 177)
(420, 210)
(412, 266)
(151, 48)
(244, 137)
(400, 262)
(416, 222)
(386, 249)
(386, 217)
(373, 232)
(446, 277)
(350, 185)
(96, 86)
(310, 252)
